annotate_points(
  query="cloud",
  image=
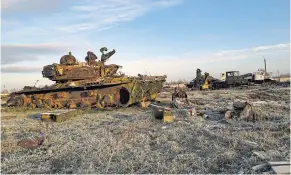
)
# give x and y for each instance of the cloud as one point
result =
(28, 6)
(18, 53)
(244, 60)
(255, 49)
(76, 25)
(20, 69)
(111, 12)
(9, 3)
(278, 46)
(8, 80)
(78, 18)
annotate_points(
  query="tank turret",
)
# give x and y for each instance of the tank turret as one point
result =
(71, 70)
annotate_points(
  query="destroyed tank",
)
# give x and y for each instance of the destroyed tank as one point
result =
(88, 84)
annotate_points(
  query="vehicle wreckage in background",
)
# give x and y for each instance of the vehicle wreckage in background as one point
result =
(228, 79)
(201, 82)
(234, 79)
(88, 84)
(262, 76)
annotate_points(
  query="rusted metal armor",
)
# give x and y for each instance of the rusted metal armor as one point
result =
(82, 85)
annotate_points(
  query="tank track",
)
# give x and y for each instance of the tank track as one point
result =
(124, 92)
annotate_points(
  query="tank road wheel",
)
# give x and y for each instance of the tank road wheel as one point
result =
(45, 105)
(58, 105)
(107, 100)
(99, 105)
(111, 99)
(32, 105)
(39, 103)
(50, 102)
(98, 101)
(24, 101)
(71, 105)
(84, 103)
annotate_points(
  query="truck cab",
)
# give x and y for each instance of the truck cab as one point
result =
(233, 78)
(222, 76)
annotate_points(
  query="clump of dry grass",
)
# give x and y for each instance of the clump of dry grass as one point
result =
(129, 140)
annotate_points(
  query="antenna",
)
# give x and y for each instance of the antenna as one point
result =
(35, 82)
(265, 65)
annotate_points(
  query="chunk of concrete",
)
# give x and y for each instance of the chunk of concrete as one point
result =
(239, 104)
(247, 113)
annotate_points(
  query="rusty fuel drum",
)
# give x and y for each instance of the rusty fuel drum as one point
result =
(88, 84)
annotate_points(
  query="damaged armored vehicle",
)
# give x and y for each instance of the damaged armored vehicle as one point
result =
(88, 84)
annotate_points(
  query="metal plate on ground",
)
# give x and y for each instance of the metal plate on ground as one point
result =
(57, 115)
(168, 114)
(281, 167)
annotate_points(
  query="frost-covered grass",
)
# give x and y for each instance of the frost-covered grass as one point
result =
(131, 141)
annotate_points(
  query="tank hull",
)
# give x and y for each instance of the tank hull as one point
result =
(88, 84)
(110, 92)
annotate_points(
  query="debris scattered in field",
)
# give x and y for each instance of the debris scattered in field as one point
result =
(280, 167)
(243, 110)
(228, 115)
(273, 168)
(262, 167)
(31, 143)
(247, 113)
(189, 145)
(261, 154)
(178, 109)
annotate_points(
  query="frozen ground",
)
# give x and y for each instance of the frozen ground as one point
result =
(132, 141)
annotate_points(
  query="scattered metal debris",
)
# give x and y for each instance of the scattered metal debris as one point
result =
(280, 167)
(242, 110)
(178, 108)
(32, 143)
(273, 167)
(57, 115)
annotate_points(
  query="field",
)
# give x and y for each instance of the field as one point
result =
(130, 140)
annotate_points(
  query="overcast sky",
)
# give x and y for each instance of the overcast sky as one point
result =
(160, 37)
